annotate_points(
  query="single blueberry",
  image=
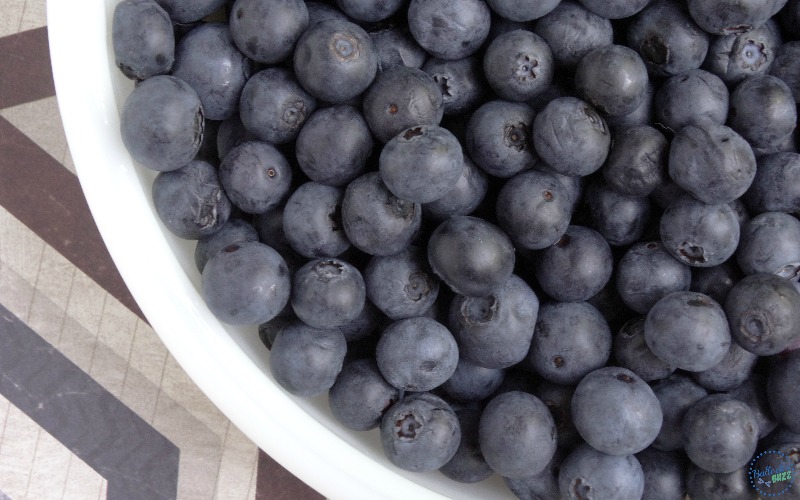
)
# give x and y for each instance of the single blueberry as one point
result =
(517, 434)
(421, 432)
(327, 293)
(495, 331)
(616, 412)
(688, 330)
(335, 60)
(305, 360)
(720, 433)
(486, 255)
(246, 283)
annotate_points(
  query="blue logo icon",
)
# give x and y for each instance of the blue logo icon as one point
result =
(771, 473)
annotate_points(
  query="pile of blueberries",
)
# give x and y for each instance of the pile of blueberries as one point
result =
(552, 240)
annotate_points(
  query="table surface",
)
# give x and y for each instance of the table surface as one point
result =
(91, 402)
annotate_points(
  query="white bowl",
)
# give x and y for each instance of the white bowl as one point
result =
(229, 364)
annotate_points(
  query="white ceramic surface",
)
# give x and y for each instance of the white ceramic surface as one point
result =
(228, 363)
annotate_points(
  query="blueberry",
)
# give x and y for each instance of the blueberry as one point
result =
(688, 330)
(360, 395)
(646, 273)
(720, 433)
(770, 243)
(615, 9)
(763, 111)
(786, 66)
(401, 285)
(369, 11)
(570, 340)
(495, 331)
(421, 432)
(522, 11)
(630, 351)
(571, 137)
(190, 201)
(461, 81)
(753, 392)
(732, 16)
(664, 477)
(576, 267)
(142, 38)
(621, 218)
(776, 186)
(327, 293)
(517, 434)
(421, 164)
(256, 176)
(534, 209)
(449, 29)
(207, 59)
(305, 360)
(735, 57)
(233, 231)
(572, 31)
(376, 221)
(273, 106)
(162, 123)
(518, 65)
(464, 197)
(499, 137)
(691, 98)
(734, 485)
(615, 411)
(396, 47)
(486, 255)
(467, 464)
(637, 161)
(184, 12)
(733, 370)
(312, 221)
(712, 162)
(612, 78)
(334, 144)
(246, 283)
(335, 60)
(784, 399)
(587, 473)
(266, 31)
(764, 313)
(676, 394)
(699, 234)
(400, 98)
(417, 354)
(667, 39)
(471, 382)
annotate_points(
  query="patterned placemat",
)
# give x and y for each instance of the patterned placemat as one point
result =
(91, 403)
